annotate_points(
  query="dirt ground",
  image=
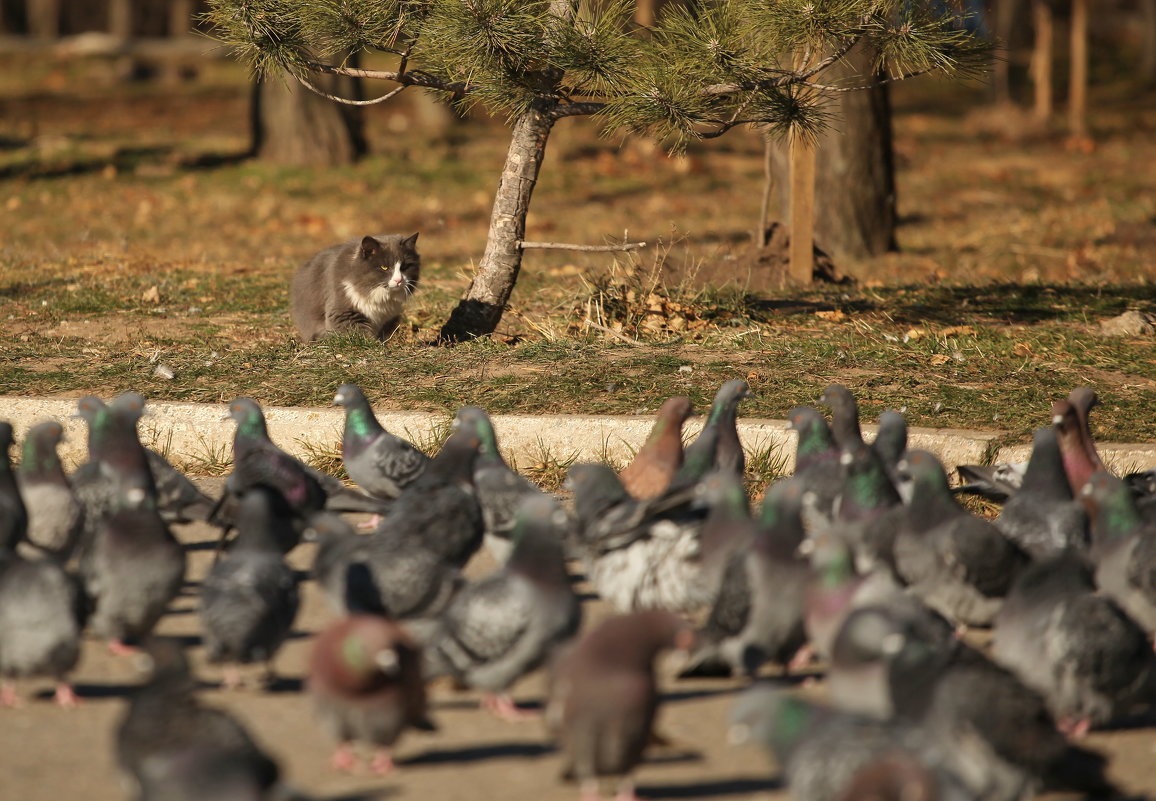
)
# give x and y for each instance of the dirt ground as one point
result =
(48, 753)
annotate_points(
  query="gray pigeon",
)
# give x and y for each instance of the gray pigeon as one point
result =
(506, 625)
(439, 511)
(604, 697)
(717, 446)
(820, 750)
(500, 490)
(958, 564)
(902, 777)
(1042, 517)
(365, 677)
(1078, 649)
(249, 598)
(55, 515)
(1083, 400)
(382, 464)
(377, 574)
(996, 733)
(171, 747)
(40, 605)
(868, 509)
(844, 416)
(639, 554)
(890, 445)
(1123, 547)
(816, 459)
(758, 614)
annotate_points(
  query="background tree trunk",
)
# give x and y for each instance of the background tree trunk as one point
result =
(480, 310)
(294, 126)
(1147, 67)
(44, 18)
(855, 170)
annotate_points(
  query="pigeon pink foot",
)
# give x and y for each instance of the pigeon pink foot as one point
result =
(382, 763)
(589, 791)
(9, 697)
(372, 522)
(65, 696)
(801, 659)
(626, 792)
(503, 707)
(343, 758)
(231, 678)
(1074, 727)
(118, 648)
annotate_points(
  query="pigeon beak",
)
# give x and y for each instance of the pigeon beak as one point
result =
(1057, 419)
(338, 399)
(386, 660)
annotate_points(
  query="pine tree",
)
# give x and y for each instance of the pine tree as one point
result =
(701, 70)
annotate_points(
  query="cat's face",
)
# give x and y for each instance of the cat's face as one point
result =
(395, 263)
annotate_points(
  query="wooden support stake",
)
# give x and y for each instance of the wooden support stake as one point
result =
(1078, 81)
(1042, 60)
(802, 159)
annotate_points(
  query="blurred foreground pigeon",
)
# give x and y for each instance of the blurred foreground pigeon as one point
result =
(171, 747)
(506, 625)
(55, 515)
(639, 554)
(890, 444)
(1042, 517)
(379, 462)
(40, 605)
(820, 750)
(958, 564)
(844, 416)
(1083, 400)
(604, 697)
(758, 614)
(660, 457)
(1123, 547)
(365, 677)
(816, 459)
(1078, 649)
(500, 491)
(869, 508)
(249, 598)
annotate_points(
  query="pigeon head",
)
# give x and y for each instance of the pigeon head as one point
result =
(164, 660)
(727, 398)
(88, 407)
(361, 426)
(831, 557)
(326, 527)
(128, 406)
(771, 716)
(722, 490)
(360, 654)
(539, 526)
(7, 438)
(926, 471)
(891, 438)
(475, 420)
(1110, 506)
(782, 501)
(844, 415)
(868, 636)
(815, 440)
(1069, 433)
(596, 488)
(38, 455)
(1084, 399)
(348, 395)
(249, 418)
(672, 414)
(866, 488)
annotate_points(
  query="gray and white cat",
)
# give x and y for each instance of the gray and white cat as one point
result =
(360, 283)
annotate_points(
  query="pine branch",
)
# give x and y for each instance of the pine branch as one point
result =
(407, 78)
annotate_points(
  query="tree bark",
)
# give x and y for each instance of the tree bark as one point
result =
(855, 213)
(1078, 80)
(296, 127)
(43, 18)
(1042, 60)
(480, 310)
(1147, 67)
(802, 184)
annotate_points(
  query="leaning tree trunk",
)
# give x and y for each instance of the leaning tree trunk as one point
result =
(294, 126)
(854, 203)
(480, 310)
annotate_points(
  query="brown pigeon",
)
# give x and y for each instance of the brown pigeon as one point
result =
(366, 680)
(659, 459)
(604, 697)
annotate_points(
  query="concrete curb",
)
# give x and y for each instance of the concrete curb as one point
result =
(196, 433)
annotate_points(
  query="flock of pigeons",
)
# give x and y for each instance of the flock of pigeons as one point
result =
(863, 559)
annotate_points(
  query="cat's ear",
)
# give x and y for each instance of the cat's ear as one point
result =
(370, 247)
(409, 242)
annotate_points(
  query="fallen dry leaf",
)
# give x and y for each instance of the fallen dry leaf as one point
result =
(834, 315)
(958, 331)
(152, 295)
(1022, 349)
(914, 333)
(940, 358)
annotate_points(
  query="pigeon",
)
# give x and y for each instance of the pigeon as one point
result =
(171, 747)
(1042, 517)
(1074, 452)
(868, 508)
(1083, 400)
(380, 463)
(439, 511)
(660, 457)
(821, 750)
(365, 677)
(995, 482)
(370, 573)
(958, 564)
(604, 697)
(1123, 547)
(639, 554)
(717, 445)
(506, 625)
(500, 490)
(816, 459)
(1002, 748)
(758, 614)
(902, 777)
(890, 445)
(40, 604)
(844, 416)
(55, 515)
(1078, 649)
(249, 597)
